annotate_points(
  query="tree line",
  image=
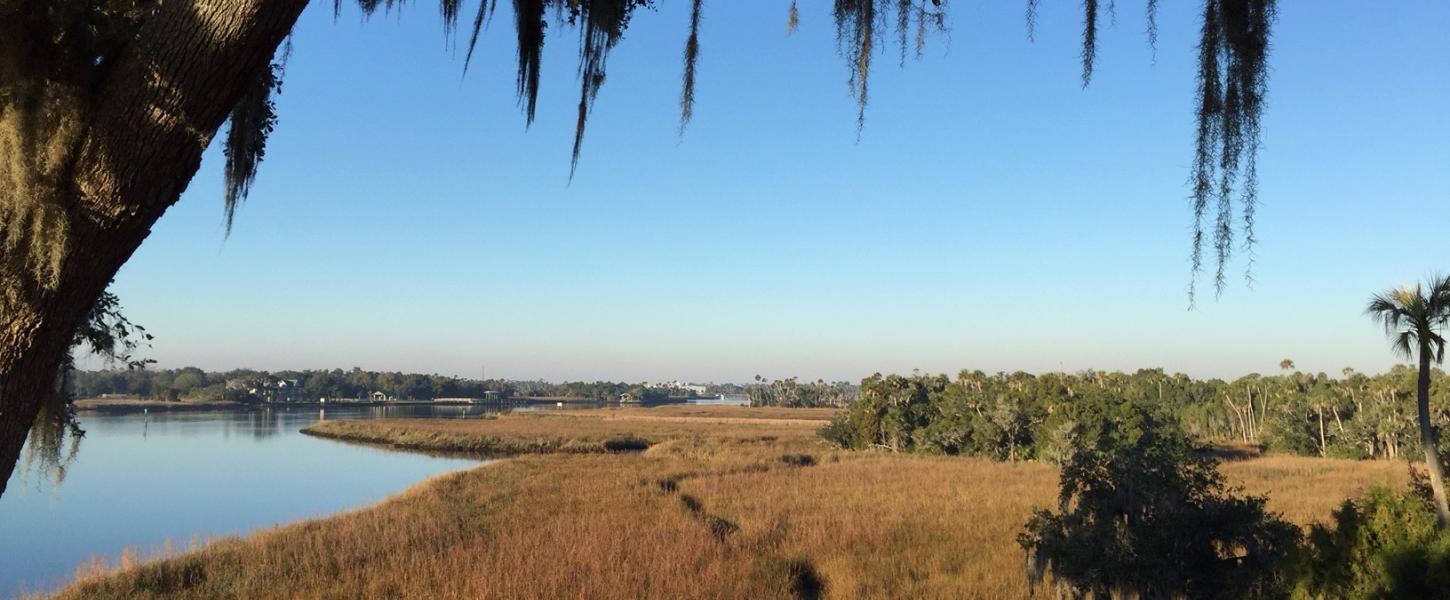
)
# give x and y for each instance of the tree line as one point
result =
(1011, 416)
(792, 394)
(248, 385)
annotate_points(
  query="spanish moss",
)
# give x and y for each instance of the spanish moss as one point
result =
(1031, 21)
(1232, 82)
(251, 122)
(603, 25)
(1232, 78)
(692, 53)
(1089, 39)
(903, 26)
(1151, 12)
(530, 25)
(855, 32)
(856, 37)
(480, 20)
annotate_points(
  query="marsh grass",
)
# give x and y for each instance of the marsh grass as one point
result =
(721, 505)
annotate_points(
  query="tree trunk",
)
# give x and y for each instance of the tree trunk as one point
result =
(1322, 445)
(143, 125)
(1427, 438)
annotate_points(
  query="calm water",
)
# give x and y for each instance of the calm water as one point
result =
(140, 480)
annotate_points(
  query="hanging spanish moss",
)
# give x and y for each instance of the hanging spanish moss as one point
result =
(251, 122)
(856, 37)
(39, 126)
(1089, 39)
(604, 22)
(480, 20)
(530, 25)
(903, 25)
(1032, 21)
(692, 54)
(1151, 13)
(55, 436)
(855, 32)
(1232, 82)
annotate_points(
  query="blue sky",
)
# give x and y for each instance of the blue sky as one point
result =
(993, 215)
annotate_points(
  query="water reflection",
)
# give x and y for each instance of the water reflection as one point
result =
(139, 479)
(103, 482)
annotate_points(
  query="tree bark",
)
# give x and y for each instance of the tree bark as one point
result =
(1427, 438)
(147, 122)
(1322, 444)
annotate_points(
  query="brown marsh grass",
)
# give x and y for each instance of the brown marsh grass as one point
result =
(713, 509)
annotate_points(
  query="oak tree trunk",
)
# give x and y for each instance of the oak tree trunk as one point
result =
(138, 137)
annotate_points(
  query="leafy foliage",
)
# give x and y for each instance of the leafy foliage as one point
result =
(1415, 316)
(1010, 416)
(107, 332)
(1382, 545)
(1144, 513)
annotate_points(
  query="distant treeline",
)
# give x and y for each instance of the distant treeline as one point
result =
(789, 393)
(246, 385)
(610, 390)
(1020, 415)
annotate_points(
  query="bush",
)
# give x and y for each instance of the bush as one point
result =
(798, 460)
(1144, 513)
(1383, 545)
(840, 432)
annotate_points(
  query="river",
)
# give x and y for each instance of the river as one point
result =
(139, 480)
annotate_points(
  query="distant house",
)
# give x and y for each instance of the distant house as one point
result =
(379, 397)
(271, 390)
(693, 389)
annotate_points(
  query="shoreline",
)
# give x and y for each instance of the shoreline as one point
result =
(727, 502)
(120, 405)
(485, 447)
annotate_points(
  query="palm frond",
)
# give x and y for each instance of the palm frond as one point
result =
(1404, 345)
(1386, 308)
(1438, 298)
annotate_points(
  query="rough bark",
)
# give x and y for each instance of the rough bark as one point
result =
(145, 125)
(1428, 439)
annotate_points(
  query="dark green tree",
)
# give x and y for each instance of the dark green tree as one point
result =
(1144, 513)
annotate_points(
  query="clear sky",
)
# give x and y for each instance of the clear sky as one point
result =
(993, 215)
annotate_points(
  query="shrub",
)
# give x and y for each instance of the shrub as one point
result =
(1143, 512)
(798, 460)
(840, 432)
(1383, 545)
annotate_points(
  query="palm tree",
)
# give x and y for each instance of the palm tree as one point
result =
(1413, 318)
